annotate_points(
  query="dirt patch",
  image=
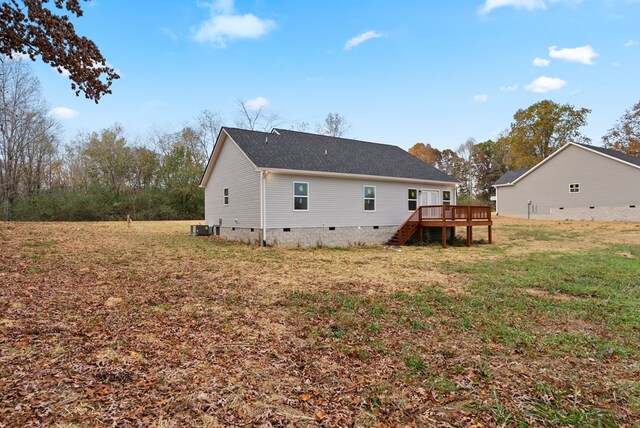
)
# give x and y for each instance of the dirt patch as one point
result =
(545, 294)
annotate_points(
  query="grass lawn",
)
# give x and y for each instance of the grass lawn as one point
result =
(107, 325)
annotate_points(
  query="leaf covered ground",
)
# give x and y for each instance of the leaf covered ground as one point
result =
(107, 325)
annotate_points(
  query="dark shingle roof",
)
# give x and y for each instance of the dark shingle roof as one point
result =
(510, 176)
(614, 154)
(312, 152)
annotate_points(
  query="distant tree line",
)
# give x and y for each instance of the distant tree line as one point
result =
(535, 133)
(104, 175)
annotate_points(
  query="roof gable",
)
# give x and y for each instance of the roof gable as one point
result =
(510, 176)
(609, 153)
(301, 151)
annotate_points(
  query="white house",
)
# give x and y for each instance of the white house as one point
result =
(577, 182)
(295, 188)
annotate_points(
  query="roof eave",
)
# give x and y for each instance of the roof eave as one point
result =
(355, 176)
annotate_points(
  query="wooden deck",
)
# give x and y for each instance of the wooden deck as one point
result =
(443, 216)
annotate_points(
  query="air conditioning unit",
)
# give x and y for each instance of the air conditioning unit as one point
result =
(200, 230)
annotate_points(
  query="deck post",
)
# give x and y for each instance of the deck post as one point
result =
(420, 223)
(489, 218)
(468, 236)
(444, 228)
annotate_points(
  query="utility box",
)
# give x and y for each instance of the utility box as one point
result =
(200, 230)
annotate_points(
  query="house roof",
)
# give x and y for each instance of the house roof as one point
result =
(510, 176)
(301, 151)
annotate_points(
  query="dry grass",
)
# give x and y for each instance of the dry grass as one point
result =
(104, 324)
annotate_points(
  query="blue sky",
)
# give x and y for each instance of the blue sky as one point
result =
(400, 71)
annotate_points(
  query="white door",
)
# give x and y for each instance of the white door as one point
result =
(430, 197)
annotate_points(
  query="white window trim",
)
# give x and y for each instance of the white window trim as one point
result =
(417, 199)
(450, 196)
(364, 198)
(225, 198)
(572, 184)
(298, 196)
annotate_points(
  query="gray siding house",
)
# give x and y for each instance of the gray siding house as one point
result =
(294, 188)
(577, 182)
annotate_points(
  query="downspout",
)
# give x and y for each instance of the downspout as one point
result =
(263, 210)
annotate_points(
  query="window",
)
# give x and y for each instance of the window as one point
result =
(446, 197)
(412, 199)
(369, 198)
(300, 196)
(574, 188)
(225, 196)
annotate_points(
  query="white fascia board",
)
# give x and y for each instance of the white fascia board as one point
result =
(355, 176)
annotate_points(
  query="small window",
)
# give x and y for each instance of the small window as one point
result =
(369, 198)
(412, 199)
(300, 196)
(225, 196)
(574, 188)
(446, 197)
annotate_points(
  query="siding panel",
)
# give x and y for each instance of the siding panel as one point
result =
(338, 202)
(234, 171)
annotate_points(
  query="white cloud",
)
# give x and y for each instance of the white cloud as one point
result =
(256, 103)
(361, 38)
(630, 43)
(511, 88)
(64, 113)
(544, 84)
(583, 54)
(541, 62)
(490, 5)
(481, 98)
(224, 25)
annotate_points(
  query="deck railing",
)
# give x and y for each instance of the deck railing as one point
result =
(444, 216)
(454, 212)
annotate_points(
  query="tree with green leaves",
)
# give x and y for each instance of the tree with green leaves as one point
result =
(489, 162)
(31, 28)
(541, 129)
(625, 135)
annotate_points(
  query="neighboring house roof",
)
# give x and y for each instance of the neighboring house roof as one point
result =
(512, 177)
(300, 151)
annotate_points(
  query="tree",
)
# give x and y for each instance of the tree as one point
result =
(625, 135)
(208, 126)
(489, 162)
(465, 172)
(31, 28)
(253, 115)
(541, 129)
(109, 160)
(28, 136)
(427, 153)
(334, 125)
